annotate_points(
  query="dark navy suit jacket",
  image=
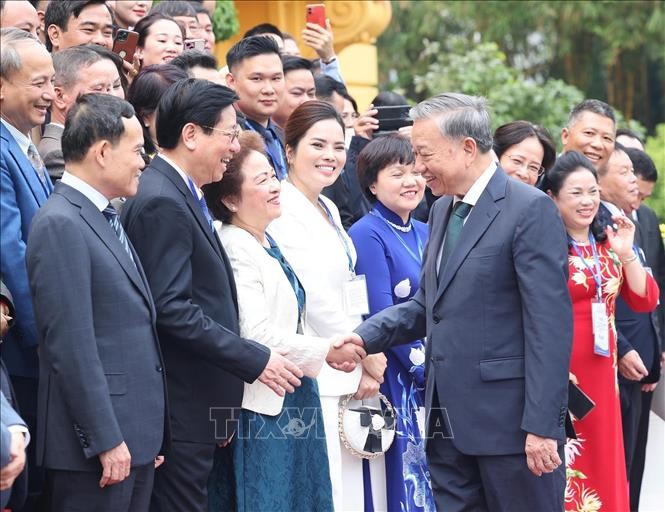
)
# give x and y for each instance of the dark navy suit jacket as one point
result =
(197, 310)
(640, 331)
(498, 320)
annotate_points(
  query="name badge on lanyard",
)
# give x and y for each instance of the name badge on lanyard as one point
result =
(356, 301)
(599, 318)
(600, 325)
(354, 290)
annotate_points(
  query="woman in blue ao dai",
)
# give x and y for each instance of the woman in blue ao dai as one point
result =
(390, 246)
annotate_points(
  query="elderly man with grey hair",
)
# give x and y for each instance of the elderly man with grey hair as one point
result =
(78, 70)
(494, 305)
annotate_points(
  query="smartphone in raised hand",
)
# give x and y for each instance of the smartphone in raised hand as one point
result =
(125, 43)
(316, 13)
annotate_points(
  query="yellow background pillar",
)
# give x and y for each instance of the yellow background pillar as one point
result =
(355, 24)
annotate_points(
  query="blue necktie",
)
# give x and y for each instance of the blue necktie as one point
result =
(112, 216)
(276, 154)
(202, 203)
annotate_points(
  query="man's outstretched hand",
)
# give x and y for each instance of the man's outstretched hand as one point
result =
(345, 353)
(280, 374)
(355, 343)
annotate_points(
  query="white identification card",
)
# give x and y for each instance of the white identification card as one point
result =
(601, 333)
(650, 272)
(355, 296)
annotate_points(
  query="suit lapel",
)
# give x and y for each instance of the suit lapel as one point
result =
(195, 208)
(39, 191)
(101, 227)
(443, 208)
(476, 225)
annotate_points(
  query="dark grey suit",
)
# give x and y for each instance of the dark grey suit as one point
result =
(498, 321)
(50, 149)
(101, 376)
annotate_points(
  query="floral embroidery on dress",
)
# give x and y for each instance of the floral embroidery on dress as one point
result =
(578, 497)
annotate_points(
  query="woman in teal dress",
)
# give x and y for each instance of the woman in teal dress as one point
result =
(278, 460)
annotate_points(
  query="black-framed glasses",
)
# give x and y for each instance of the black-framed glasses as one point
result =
(231, 133)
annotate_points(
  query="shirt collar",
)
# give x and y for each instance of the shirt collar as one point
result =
(614, 209)
(95, 196)
(253, 125)
(20, 138)
(185, 177)
(479, 186)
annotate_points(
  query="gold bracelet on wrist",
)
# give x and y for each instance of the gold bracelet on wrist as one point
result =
(628, 260)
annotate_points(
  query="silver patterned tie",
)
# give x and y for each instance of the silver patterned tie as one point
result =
(37, 163)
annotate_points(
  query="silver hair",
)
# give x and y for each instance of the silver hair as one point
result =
(69, 63)
(10, 57)
(458, 116)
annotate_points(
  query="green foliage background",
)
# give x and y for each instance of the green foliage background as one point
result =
(534, 60)
(224, 20)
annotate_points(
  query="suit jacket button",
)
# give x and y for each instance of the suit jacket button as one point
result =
(159, 369)
(435, 319)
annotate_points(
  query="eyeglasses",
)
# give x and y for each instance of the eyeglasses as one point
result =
(520, 163)
(231, 133)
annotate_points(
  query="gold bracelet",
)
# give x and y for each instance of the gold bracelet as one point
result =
(629, 260)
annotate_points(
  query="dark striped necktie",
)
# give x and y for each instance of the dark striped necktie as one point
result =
(112, 216)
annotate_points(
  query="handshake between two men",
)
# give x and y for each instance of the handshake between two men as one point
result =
(344, 354)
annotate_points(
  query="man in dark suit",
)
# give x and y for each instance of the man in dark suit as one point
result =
(641, 332)
(494, 305)
(26, 94)
(192, 282)
(102, 390)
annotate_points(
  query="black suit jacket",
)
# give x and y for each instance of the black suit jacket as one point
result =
(641, 331)
(101, 378)
(197, 312)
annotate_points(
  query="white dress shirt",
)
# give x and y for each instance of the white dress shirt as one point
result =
(185, 177)
(472, 196)
(95, 196)
(21, 139)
